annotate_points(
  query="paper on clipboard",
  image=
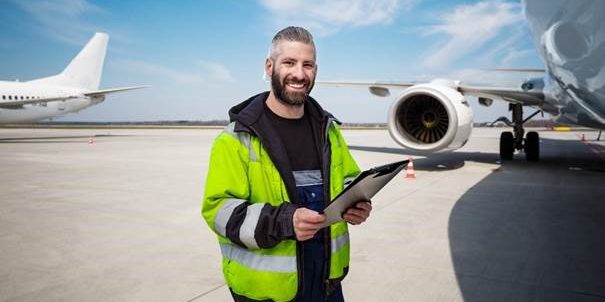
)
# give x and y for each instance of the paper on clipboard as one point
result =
(364, 187)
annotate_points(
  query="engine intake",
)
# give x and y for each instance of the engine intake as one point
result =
(424, 118)
(431, 117)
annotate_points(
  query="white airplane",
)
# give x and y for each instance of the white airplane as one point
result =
(570, 36)
(74, 89)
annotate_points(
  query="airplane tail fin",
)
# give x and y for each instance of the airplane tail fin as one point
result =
(85, 70)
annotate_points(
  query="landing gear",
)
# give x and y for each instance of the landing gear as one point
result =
(511, 141)
(507, 147)
(532, 146)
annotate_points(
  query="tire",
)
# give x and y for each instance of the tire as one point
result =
(532, 146)
(506, 145)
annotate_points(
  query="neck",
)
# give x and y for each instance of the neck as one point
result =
(284, 110)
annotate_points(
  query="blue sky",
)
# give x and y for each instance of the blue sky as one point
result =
(202, 57)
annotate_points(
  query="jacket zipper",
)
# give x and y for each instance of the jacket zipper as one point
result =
(326, 152)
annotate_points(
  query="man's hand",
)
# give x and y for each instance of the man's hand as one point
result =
(359, 213)
(306, 223)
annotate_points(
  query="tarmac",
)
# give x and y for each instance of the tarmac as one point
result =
(119, 219)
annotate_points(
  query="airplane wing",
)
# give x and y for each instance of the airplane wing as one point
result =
(95, 93)
(526, 70)
(368, 84)
(112, 90)
(376, 88)
(526, 94)
(529, 97)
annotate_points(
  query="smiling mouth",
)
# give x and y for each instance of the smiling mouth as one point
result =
(296, 86)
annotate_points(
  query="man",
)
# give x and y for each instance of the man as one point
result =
(272, 170)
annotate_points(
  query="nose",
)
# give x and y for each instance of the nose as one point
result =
(298, 72)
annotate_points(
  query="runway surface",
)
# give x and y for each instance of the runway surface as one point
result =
(119, 220)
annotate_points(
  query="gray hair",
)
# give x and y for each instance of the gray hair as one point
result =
(290, 33)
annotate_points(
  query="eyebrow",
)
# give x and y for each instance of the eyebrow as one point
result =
(294, 59)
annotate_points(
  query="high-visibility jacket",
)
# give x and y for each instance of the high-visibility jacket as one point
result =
(249, 200)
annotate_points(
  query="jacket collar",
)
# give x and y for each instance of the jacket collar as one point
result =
(248, 112)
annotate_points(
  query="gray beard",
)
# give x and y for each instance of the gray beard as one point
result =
(287, 98)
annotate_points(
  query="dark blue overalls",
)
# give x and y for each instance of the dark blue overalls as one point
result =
(309, 187)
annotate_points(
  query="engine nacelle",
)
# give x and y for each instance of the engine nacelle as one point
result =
(431, 117)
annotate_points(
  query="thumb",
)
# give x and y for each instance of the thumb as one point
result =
(316, 217)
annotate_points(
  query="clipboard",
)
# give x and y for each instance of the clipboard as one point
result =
(363, 187)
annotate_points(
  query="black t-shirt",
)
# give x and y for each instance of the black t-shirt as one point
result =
(297, 136)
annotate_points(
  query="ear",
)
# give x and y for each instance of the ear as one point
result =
(268, 67)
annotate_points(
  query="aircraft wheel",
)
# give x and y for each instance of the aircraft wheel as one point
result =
(506, 145)
(532, 146)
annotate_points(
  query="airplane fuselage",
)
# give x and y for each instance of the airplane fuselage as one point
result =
(568, 104)
(74, 89)
(570, 38)
(12, 91)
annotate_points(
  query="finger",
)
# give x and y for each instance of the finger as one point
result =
(354, 211)
(314, 218)
(364, 205)
(358, 212)
(357, 217)
(306, 227)
(302, 237)
(352, 219)
(305, 238)
(305, 235)
(309, 215)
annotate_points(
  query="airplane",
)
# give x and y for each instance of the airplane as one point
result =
(570, 35)
(72, 90)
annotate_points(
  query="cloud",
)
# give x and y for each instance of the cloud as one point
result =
(468, 28)
(326, 17)
(204, 73)
(215, 71)
(489, 55)
(63, 20)
(161, 72)
(515, 55)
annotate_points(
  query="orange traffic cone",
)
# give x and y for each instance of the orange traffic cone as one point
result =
(90, 140)
(583, 138)
(409, 171)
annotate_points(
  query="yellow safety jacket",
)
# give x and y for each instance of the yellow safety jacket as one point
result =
(249, 200)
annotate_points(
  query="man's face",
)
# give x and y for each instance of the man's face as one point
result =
(292, 72)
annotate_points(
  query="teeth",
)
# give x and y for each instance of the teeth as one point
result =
(297, 86)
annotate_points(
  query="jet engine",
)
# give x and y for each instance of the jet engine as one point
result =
(431, 117)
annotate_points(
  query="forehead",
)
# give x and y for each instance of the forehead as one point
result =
(295, 50)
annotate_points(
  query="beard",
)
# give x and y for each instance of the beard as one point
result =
(288, 97)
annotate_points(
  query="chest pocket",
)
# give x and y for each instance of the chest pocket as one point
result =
(309, 187)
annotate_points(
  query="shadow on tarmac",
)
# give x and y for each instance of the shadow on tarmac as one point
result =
(435, 161)
(529, 231)
(456, 159)
(534, 231)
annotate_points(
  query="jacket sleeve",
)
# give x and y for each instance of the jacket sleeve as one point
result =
(226, 206)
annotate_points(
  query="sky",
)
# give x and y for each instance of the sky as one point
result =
(203, 57)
